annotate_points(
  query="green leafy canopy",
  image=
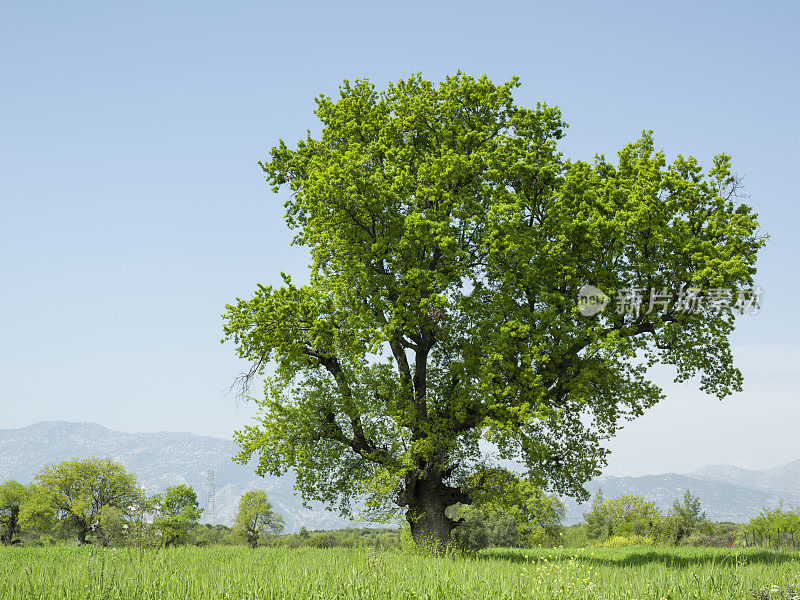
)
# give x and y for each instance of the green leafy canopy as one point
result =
(449, 238)
(80, 489)
(178, 512)
(256, 517)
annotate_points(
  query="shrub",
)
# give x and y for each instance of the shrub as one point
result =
(618, 541)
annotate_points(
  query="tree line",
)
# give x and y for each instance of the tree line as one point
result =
(633, 519)
(97, 501)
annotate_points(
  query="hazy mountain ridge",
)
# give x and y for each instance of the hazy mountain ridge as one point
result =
(778, 479)
(722, 500)
(159, 460)
(168, 458)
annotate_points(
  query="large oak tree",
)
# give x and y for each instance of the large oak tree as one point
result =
(449, 241)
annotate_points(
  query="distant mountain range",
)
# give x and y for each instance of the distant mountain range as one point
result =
(160, 460)
(722, 498)
(163, 459)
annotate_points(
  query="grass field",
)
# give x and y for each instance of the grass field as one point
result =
(224, 572)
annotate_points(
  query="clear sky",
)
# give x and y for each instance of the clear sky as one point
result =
(133, 209)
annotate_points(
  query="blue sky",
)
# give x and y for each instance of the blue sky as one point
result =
(133, 209)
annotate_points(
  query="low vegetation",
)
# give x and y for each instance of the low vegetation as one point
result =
(191, 573)
(96, 501)
(71, 535)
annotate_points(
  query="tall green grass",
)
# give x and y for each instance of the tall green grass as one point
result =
(223, 572)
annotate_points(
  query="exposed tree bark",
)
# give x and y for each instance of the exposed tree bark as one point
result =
(427, 499)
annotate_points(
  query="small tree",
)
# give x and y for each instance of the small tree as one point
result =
(596, 519)
(178, 513)
(538, 516)
(216, 535)
(109, 528)
(482, 528)
(630, 514)
(687, 515)
(625, 515)
(471, 531)
(12, 497)
(37, 514)
(256, 517)
(79, 489)
(546, 527)
(508, 511)
(775, 522)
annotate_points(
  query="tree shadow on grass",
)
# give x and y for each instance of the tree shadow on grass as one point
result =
(640, 557)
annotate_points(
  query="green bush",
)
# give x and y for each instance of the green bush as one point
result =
(619, 541)
(406, 539)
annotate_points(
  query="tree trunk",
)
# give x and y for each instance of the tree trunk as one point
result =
(82, 536)
(12, 527)
(427, 500)
(102, 538)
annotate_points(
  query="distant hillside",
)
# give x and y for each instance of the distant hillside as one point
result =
(162, 459)
(721, 499)
(783, 479)
(159, 460)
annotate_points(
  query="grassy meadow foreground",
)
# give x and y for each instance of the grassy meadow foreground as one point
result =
(194, 573)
